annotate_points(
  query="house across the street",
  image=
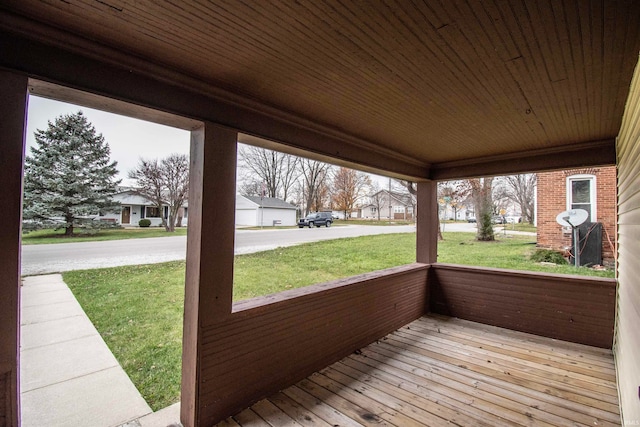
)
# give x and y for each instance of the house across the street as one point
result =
(135, 207)
(255, 211)
(389, 204)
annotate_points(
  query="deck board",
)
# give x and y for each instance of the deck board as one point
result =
(445, 371)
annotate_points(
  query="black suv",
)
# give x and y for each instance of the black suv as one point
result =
(317, 219)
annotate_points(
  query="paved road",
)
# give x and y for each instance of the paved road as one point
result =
(52, 258)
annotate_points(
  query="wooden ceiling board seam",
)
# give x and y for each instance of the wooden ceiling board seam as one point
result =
(355, 102)
(405, 44)
(586, 64)
(514, 67)
(540, 95)
(283, 70)
(352, 65)
(597, 30)
(444, 54)
(536, 99)
(501, 33)
(574, 103)
(248, 32)
(436, 90)
(411, 32)
(377, 48)
(623, 92)
(608, 71)
(248, 56)
(508, 87)
(547, 76)
(299, 53)
(553, 59)
(327, 54)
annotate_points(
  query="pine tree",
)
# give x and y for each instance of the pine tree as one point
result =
(69, 174)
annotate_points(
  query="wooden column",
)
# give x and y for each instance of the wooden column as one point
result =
(427, 223)
(13, 111)
(210, 247)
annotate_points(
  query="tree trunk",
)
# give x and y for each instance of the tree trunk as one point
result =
(68, 231)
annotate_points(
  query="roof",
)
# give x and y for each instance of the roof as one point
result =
(270, 202)
(430, 89)
(129, 197)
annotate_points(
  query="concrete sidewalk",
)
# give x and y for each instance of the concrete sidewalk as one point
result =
(69, 377)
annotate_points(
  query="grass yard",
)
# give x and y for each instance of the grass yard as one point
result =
(138, 309)
(40, 237)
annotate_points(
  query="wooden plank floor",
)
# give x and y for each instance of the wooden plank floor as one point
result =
(440, 371)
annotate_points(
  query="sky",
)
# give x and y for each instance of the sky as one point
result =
(128, 138)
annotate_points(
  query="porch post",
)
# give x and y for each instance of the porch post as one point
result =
(427, 223)
(13, 112)
(210, 247)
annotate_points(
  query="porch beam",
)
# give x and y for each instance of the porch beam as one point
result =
(427, 223)
(133, 80)
(210, 251)
(13, 110)
(578, 155)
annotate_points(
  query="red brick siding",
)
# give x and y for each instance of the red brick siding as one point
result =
(552, 199)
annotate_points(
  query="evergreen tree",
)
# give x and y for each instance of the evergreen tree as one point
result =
(69, 174)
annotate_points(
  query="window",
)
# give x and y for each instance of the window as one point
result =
(152, 212)
(581, 194)
(398, 209)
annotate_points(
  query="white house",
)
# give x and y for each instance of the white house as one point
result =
(385, 205)
(267, 211)
(136, 207)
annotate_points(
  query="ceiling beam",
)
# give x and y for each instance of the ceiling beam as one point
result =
(594, 153)
(98, 70)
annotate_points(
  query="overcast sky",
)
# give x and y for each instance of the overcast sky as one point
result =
(129, 139)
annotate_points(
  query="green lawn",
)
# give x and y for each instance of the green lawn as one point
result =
(40, 237)
(138, 309)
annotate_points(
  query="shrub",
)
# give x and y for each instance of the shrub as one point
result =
(144, 222)
(548, 255)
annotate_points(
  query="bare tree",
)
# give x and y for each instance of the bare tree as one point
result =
(149, 183)
(273, 170)
(175, 170)
(164, 182)
(451, 193)
(520, 189)
(314, 187)
(480, 190)
(377, 197)
(349, 186)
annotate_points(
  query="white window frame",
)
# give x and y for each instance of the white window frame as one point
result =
(592, 189)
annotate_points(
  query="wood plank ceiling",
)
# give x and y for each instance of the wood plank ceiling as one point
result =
(438, 81)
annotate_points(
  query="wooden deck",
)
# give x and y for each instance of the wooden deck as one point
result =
(440, 371)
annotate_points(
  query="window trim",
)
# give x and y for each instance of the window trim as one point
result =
(593, 193)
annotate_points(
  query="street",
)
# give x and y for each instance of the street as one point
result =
(58, 257)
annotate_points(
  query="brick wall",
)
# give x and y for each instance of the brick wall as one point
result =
(552, 199)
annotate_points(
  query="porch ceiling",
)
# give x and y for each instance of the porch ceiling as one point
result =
(440, 82)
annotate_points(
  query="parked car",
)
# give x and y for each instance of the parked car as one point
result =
(471, 219)
(316, 219)
(498, 219)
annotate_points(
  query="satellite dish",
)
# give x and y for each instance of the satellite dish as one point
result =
(572, 218)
